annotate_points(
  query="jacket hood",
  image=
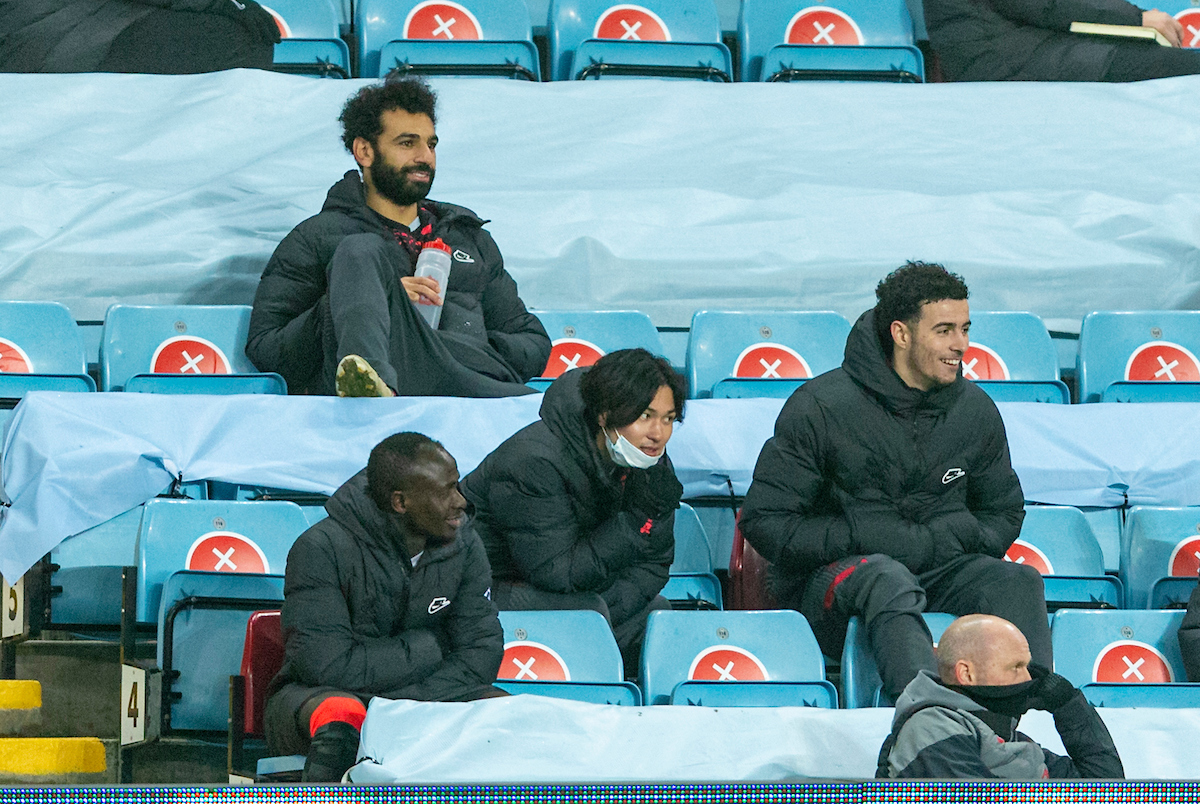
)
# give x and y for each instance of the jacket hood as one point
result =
(562, 412)
(349, 197)
(868, 366)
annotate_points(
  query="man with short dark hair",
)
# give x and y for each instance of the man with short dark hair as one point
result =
(389, 596)
(962, 722)
(334, 311)
(887, 488)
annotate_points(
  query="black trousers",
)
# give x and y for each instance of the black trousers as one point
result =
(181, 42)
(890, 600)
(1139, 61)
(367, 312)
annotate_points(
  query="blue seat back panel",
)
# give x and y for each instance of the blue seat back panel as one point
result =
(559, 646)
(1123, 646)
(1157, 345)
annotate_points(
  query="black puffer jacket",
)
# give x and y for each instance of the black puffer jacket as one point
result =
(357, 616)
(481, 302)
(556, 515)
(1023, 40)
(1189, 637)
(860, 463)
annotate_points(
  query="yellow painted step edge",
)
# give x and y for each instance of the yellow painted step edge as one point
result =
(20, 695)
(43, 756)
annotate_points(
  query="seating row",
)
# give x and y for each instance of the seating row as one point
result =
(1123, 356)
(777, 41)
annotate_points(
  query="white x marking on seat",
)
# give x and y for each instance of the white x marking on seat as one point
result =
(193, 363)
(572, 363)
(823, 32)
(631, 30)
(969, 369)
(443, 27)
(726, 672)
(525, 668)
(223, 559)
(1133, 668)
(1166, 368)
(770, 368)
(1195, 32)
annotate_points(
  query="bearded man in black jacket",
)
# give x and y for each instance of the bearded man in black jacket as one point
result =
(887, 489)
(335, 309)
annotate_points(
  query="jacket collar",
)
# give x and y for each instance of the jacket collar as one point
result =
(868, 366)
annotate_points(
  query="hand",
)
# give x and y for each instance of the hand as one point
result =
(422, 287)
(249, 15)
(653, 492)
(1165, 24)
(1051, 692)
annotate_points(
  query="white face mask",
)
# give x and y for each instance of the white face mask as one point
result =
(624, 453)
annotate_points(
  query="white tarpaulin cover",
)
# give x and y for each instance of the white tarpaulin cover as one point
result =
(72, 461)
(533, 739)
(661, 196)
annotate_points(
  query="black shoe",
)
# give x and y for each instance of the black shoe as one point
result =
(334, 749)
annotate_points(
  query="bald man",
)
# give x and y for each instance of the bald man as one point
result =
(963, 724)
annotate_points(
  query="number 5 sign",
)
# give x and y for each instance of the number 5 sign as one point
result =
(14, 609)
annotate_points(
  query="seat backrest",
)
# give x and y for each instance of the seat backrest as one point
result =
(262, 659)
(214, 536)
(1057, 540)
(1158, 543)
(763, 24)
(573, 21)
(173, 339)
(39, 338)
(680, 646)
(304, 19)
(1154, 345)
(1117, 646)
(692, 550)
(748, 570)
(378, 22)
(581, 337)
(1009, 346)
(559, 646)
(1189, 17)
(762, 344)
(861, 685)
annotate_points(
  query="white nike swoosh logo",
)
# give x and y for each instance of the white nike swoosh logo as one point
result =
(437, 604)
(952, 475)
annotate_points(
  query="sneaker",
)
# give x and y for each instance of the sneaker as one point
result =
(355, 377)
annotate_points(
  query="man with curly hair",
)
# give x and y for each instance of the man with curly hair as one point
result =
(887, 488)
(334, 308)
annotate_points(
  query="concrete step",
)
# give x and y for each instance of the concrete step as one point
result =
(52, 760)
(20, 706)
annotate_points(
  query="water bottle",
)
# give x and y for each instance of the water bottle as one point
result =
(434, 261)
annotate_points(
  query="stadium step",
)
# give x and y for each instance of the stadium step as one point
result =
(20, 706)
(52, 760)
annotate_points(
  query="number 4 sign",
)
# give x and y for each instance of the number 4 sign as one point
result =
(133, 704)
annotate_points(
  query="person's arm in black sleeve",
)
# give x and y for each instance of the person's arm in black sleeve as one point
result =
(1057, 15)
(1089, 745)
(1189, 637)
(476, 639)
(640, 582)
(994, 498)
(247, 13)
(513, 331)
(320, 642)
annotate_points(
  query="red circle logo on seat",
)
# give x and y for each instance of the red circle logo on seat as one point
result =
(763, 361)
(1185, 558)
(442, 20)
(1189, 18)
(1022, 552)
(726, 663)
(569, 353)
(1162, 361)
(1128, 661)
(822, 25)
(631, 23)
(187, 354)
(226, 551)
(532, 661)
(285, 30)
(13, 359)
(981, 362)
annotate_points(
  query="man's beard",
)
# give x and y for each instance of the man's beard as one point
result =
(395, 186)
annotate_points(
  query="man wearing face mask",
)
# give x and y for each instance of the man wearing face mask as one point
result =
(577, 510)
(334, 311)
(962, 723)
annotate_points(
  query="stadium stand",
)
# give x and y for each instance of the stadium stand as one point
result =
(1012, 358)
(581, 337)
(40, 350)
(861, 685)
(1058, 542)
(1139, 356)
(1160, 556)
(692, 583)
(310, 43)
(598, 38)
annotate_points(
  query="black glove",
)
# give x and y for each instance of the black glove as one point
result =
(654, 492)
(250, 15)
(1051, 692)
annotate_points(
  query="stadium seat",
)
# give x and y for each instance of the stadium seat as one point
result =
(848, 40)
(86, 578)
(861, 685)
(685, 653)
(1122, 647)
(40, 350)
(180, 349)
(692, 583)
(1157, 544)
(208, 535)
(655, 38)
(581, 337)
(1107, 524)
(1012, 357)
(1189, 17)
(474, 38)
(761, 353)
(563, 654)
(310, 43)
(1147, 356)
(748, 586)
(201, 627)
(1058, 542)
(262, 659)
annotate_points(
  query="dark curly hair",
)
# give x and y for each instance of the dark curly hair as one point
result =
(393, 461)
(905, 290)
(622, 384)
(362, 115)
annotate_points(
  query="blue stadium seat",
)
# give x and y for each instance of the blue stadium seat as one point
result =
(581, 337)
(692, 583)
(310, 44)
(1147, 356)
(179, 349)
(855, 40)
(1159, 543)
(1158, 696)
(1123, 647)
(654, 38)
(201, 629)
(86, 584)
(686, 653)
(761, 353)
(563, 654)
(40, 350)
(1058, 542)
(861, 685)
(481, 38)
(211, 535)
(1107, 524)
(1012, 357)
